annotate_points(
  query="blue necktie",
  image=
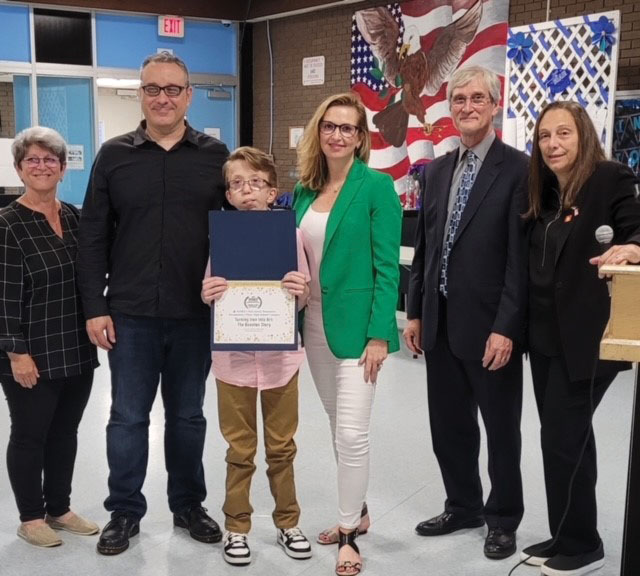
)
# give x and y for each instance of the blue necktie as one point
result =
(466, 183)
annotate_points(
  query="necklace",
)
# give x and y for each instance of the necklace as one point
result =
(335, 188)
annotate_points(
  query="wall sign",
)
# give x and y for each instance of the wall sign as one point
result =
(313, 71)
(626, 137)
(172, 26)
(75, 157)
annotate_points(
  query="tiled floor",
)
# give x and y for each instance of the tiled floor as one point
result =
(405, 488)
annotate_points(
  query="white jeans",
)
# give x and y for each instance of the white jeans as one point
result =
(347, 400)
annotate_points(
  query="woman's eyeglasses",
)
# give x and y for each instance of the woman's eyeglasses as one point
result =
(34, 161)
(256, 184)
(172, 90)
(347, 130)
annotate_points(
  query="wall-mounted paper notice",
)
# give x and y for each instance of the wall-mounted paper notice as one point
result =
(215, 132)
(598, 116)
(509, 131)
(521, 133)
(513, 132)
(8, 175)
(75, 157)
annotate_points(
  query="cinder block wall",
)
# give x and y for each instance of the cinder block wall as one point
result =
(328, 33)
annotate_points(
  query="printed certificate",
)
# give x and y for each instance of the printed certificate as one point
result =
(257, 315)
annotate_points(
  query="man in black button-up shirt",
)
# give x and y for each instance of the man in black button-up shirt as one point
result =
(144, 237)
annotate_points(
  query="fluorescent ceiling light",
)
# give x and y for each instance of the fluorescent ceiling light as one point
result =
(118, 83)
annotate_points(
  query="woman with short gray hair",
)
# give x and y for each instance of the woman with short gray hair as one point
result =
(46, 359)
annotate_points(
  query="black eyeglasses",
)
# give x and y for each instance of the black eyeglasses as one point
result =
(347, 130)
(172, 90)
(256, 184)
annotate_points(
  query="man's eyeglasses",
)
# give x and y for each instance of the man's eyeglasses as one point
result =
(256, 184)
(476, 100)
(347, 130)
(34, 161)
(172, 90)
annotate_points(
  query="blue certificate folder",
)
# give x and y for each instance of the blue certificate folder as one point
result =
(252, 245)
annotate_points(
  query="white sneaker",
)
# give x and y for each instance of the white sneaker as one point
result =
(236, 549)
(294, 543)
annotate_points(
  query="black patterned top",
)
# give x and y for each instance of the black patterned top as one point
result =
(40, 307)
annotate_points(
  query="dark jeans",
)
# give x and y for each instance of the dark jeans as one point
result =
(456, 389)
(148, 351)
(565, 409)
(43, 442)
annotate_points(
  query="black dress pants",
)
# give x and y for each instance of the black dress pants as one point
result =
(565, 420)
(43, 441)
(456, 389)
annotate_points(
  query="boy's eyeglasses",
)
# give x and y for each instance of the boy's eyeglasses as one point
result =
(256, 184)
(347, 130)
(172, 90)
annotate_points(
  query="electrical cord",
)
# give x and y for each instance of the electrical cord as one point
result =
(575, 470)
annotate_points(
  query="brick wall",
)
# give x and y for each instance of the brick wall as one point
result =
(7, 115)
(328, 33)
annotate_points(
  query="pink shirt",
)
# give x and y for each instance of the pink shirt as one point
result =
(262, 369)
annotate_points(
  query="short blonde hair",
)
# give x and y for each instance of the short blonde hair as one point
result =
(312, 164)
(257, 159)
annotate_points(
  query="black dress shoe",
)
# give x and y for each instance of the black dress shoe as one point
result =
(499, 544)
(200, 525)
(115, 535)
(446, 523)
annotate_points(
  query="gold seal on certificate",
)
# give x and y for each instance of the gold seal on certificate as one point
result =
(255, 312)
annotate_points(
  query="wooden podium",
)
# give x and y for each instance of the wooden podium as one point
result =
(621, 341)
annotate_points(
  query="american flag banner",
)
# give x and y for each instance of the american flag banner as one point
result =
(402, 56)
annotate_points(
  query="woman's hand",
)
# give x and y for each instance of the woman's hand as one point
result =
(212, 289)
(296, 284)
(24, 370)
(618, 255)
(373, 356)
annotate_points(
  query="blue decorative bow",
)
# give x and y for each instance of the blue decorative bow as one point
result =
(603, 34)
(520, 48)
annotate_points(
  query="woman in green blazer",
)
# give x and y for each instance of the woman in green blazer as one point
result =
(351, 219)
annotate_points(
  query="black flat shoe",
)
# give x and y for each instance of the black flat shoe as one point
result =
(499, 544)
(114, 538)
(446, 523)
(538, 554)
(201, 526)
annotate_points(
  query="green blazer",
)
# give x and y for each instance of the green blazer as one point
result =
(359, 271)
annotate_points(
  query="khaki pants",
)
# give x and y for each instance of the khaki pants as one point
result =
(237, 418)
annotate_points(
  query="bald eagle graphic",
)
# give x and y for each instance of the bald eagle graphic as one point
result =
(411, 68)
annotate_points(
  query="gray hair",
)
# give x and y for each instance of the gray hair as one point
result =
(165, 57)
(463, 76)
(42, 136)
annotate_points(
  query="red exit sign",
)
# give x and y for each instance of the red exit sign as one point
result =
(171, 26)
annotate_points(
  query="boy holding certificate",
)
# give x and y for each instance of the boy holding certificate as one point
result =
(251, 180)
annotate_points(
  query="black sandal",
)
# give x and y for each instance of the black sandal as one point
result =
(348, 568)
(330, 535)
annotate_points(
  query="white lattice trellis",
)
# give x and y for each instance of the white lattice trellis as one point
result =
(564, 45)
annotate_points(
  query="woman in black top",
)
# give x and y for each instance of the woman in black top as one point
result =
(46, 359)
(572, 191)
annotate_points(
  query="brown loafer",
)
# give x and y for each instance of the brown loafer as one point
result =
(76, 525)
(39, 535)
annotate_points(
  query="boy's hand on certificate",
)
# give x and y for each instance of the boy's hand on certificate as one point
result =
(212, 289)
(296, 284)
